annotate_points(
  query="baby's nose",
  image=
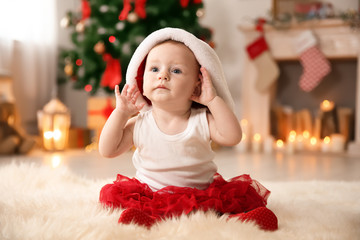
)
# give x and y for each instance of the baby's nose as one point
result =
(163, 76)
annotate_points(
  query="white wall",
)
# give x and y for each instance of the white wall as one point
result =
(223, 16)
(75, 100)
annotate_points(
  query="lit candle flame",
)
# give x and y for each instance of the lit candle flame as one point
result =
(292, 136)
(279, 143)
(243, 122)
(306, 134)
(313, 140)
(57, 134)
(327, 140)
(257, 137)
(327, 105)
(48, 134)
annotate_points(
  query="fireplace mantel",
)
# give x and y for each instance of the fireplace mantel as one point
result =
(336, 40)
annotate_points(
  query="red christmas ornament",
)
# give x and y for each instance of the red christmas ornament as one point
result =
(112, 74)
(112, 39)
(86, 10)
(88, 88)
(79, 62)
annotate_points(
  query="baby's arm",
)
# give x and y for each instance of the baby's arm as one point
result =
(116, 136)
(224, 126)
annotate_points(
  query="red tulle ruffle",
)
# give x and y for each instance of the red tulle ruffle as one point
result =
(239, 194)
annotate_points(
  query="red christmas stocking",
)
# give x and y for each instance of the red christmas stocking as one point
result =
(267, 69)
(315, 64)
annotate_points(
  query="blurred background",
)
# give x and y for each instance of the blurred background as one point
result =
(60, 59)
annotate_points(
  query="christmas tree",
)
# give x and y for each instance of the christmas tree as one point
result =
(106, 34)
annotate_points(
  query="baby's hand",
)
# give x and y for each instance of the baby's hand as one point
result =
(208, 91)
(126, 101)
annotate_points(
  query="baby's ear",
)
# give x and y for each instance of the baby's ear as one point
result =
(197, 90)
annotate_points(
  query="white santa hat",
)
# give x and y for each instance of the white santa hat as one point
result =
(204, 54)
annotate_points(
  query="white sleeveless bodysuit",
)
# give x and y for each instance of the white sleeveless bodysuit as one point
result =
(183, 160)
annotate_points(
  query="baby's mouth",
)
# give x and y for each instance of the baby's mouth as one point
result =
(161, 87)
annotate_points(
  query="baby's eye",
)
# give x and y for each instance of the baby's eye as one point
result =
(154, 69)
(177, 71)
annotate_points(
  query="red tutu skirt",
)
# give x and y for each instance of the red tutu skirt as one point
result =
(237, 195)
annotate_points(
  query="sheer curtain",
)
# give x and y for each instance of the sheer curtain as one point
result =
(28, 54)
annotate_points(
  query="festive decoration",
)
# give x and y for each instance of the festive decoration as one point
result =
(315, 64)
(80, 27)
(106, 34)
(312, 12)
(139, 9)
(65, 22)
(12, 137)
(68, 69)
(112, 74)
(185, 3)
(267, 69)
(99, 109)
(54, 124)
(86, 10)
(132, 17)
(99, 48)
(80, 137)
(200, 13)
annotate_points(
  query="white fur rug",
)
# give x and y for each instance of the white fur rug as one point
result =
(39, 202)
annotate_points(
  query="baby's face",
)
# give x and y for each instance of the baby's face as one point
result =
(171, 74)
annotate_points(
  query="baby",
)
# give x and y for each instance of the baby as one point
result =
(176, 82)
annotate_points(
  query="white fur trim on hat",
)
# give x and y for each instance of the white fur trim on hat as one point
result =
(204, 54)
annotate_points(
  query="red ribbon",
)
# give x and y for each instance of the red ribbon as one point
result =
(185, 3)
(126, 9)
(105, 112)
(86, 10)
(260, 24)
(112, 74)
(139, 9)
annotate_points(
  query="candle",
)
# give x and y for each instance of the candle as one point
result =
(299, 142)
(306, 139)
(269, 144)
(245, 127)
(326, 144)
(306, 135)
(337, 143)
(243, 146)
(313, 144)
(327, 106)
(279, 145)
(256, 143)
(290, 144)
(292, 135)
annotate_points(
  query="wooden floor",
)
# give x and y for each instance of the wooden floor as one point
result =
(304, 166)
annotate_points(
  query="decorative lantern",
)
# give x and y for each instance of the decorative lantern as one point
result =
(54, 124)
